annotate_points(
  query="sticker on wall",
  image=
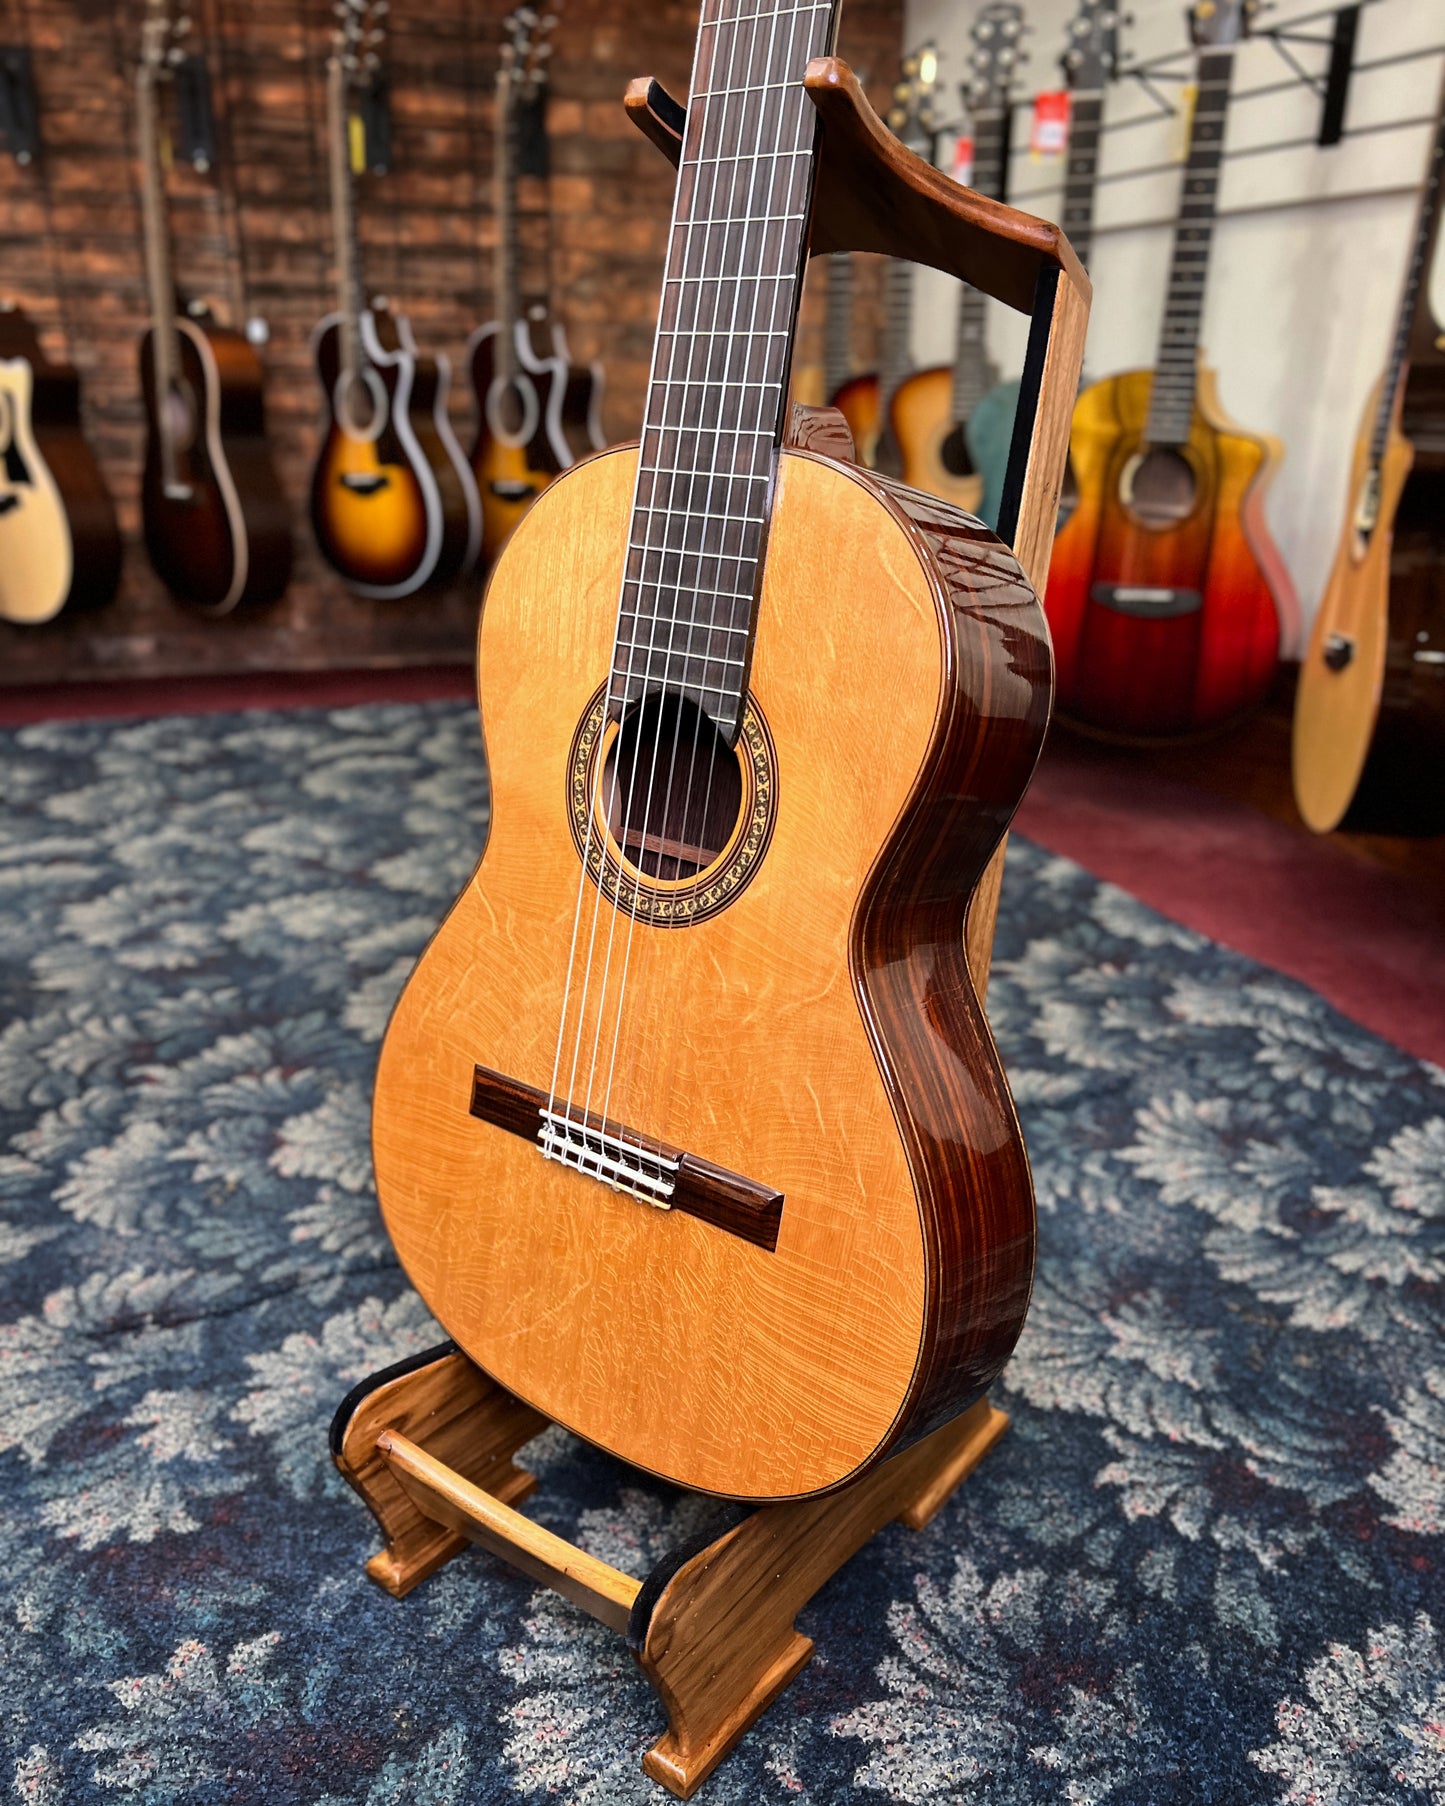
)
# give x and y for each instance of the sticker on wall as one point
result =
(963, 158)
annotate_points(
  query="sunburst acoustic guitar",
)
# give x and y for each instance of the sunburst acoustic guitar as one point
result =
(59, 545)
(537, 413)
(953, 424)
(394, 506)
(1167, 597)
(689, 1126)
(217, 526)
(1369, 724)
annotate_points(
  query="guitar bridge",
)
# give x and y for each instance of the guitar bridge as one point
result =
(618, 1157)
(364, 482)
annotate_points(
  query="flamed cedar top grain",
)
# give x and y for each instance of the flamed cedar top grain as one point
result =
(70, 252)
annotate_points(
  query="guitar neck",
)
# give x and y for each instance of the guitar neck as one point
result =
(160, 277)
(1081, 172)
(343, 218)
(895, 358)
(973, 375)
(1413, 324)
(1171, 401)
(838, 324)
(714, 414)
(506, 297)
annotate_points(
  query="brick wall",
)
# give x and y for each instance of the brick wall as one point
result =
(254, 236)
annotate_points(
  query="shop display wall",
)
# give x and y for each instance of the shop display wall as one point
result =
(254, 235)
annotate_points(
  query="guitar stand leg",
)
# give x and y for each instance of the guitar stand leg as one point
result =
(429, 1446)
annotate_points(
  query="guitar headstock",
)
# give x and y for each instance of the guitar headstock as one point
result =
(357, 38)
(526, 47)
(911, 117)
(1092, 59)
(997, 55)
(163, 36)
(1221, 24)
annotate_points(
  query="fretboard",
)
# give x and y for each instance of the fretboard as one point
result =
(838, 324)
(350, 299)
(715, 398)
(159, 278)
(1171, 401)
(973, 374)
(505, 346)
(1422, 247)
(1081, 173)
(895, 358)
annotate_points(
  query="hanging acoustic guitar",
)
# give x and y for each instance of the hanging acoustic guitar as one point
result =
(536, 411)
(953, 426)
(59, 545)
(1167, 598)
(689, 1125)
(865, 401)
(217, 526)
(1369, 724)
(394, 506)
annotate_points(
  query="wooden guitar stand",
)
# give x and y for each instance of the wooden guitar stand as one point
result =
(429, 1444)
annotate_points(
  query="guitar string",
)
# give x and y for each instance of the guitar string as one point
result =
(671, 516)
(686, 384)
(767, 160)
(706, 33)
(783, 158)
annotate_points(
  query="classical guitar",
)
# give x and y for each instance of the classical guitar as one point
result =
(536, 411)
(689, 1126)
(59, 546)
(1369, 724)
(865, 401)
(394, 506)
(952, 425)
(1167, 597)
(217, 526)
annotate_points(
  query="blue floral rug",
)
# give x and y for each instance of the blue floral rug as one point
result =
(1204, 1565)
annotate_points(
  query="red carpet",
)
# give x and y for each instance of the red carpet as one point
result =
(1357, 934)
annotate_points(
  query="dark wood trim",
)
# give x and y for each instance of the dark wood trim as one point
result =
(911, 974)
(727, 1200)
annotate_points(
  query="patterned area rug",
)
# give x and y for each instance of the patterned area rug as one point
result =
(1204, 1565)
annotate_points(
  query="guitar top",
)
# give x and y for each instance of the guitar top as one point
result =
(725, 1176)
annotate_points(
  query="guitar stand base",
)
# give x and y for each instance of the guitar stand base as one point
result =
(429, 1444)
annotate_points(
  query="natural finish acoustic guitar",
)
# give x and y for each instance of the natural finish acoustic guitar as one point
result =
(537, 413)
(217, 526)
(394, 505)
(1369, 724)
(59, 545)
(689, 1125)
(1167, 597)
(953, 425)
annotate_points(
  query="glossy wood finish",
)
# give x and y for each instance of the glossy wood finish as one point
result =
(874, 194)
(411, 531)
(1194, 671)
(510, 477)
(857, 402)
(940, 669)
(713, 1625)
(59, 545)
(227, 543)
(922, 421)
(1369, 735)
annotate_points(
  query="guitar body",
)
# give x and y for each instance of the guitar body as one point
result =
(1165, 626)
(225, 542)
(1369, 734)
(521, 441)
(857, 401)
(391, 509)
(964, 467)
(801, 1012)
(59, 544)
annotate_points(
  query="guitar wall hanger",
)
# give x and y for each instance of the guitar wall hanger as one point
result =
(19, 113)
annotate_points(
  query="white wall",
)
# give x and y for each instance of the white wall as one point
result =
(1301, 298)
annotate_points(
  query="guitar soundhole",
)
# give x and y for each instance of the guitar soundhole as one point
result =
(672, 789)
(1159, 487)
(953, 454)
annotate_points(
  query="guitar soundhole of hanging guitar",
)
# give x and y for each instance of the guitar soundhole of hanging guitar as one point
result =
(1158, 487)
(672, 789)
(954, 454)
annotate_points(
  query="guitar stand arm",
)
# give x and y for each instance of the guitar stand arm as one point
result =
(429, 1446)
